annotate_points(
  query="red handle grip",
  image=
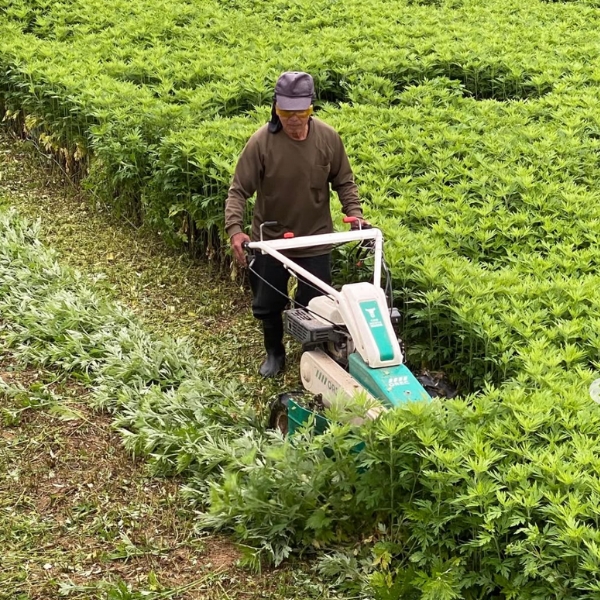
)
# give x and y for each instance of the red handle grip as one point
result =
(288, 235)
(350, 219)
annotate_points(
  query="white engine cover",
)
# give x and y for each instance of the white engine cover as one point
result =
(327, 307)
(365, 313)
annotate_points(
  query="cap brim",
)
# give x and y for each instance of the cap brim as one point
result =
(287, 103)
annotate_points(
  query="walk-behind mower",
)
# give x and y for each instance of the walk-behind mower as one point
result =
(348, 338)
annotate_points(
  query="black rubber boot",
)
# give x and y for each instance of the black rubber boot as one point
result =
(273, 336)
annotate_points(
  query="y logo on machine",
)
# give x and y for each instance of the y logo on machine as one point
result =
(372, 314)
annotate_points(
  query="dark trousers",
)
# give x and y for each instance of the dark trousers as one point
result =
(268, 303)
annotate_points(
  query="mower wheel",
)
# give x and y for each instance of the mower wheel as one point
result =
(436, 385)
(278, 418)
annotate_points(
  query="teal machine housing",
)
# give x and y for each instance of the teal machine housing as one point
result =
(394, 386)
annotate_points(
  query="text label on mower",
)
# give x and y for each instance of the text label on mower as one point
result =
(332, 387)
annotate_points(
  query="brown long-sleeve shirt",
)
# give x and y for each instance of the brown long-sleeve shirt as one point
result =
(291, 180)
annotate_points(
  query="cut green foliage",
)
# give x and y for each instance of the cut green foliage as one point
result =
(123, 591)
(78, 518)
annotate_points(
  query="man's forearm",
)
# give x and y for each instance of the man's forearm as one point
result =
(348, 194)
(243, 186)
(235, 206)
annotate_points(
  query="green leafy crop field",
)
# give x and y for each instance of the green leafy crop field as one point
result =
(474, 132)
(473, 129)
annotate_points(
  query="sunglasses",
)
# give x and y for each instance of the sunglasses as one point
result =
(302, 114)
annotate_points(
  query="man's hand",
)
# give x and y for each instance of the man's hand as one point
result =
(237, 242)
(360, 223)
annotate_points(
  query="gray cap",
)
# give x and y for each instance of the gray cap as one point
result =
(294, 90)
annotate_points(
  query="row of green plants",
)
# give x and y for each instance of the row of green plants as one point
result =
(495, 495)
(192, 47)
(489, 195)
(490, 214)
(115, 78)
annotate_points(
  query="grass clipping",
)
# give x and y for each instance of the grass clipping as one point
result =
(496, 495)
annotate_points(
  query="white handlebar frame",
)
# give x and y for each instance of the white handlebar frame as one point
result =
(273, 247)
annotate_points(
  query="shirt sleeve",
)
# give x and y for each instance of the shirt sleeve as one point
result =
(342, 181)
(246, 178)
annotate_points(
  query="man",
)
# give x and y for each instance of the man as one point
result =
(289, 163)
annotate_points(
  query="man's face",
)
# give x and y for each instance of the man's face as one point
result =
(295, 122)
